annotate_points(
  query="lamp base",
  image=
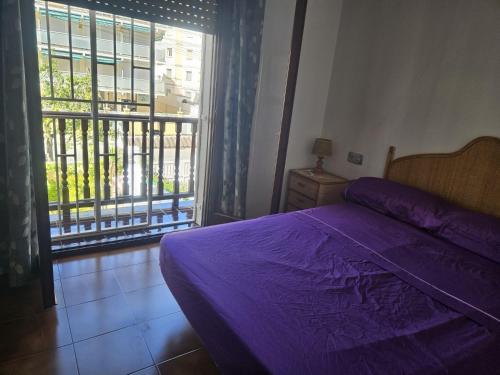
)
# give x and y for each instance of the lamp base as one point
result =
(319, 166)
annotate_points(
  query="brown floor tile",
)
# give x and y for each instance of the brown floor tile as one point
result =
(53, 362)
(155, 251)
(89, 287)
(20, 337)
(97, 317)
(116, 353)
(46, 330)
(101, 318)
(151, 303)
(128, 257)
(83, 264)
(139, 276)
(55, 328)
(194, 363)
(147, 371)
(169, 336)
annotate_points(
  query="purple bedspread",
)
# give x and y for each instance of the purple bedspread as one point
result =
(335, 290)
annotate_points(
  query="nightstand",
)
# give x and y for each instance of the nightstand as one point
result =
(307, 189)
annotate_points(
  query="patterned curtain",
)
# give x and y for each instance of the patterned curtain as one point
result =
(18, 229)
(239, 34)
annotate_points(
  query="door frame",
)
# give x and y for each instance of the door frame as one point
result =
(96, 117)
(286, 118)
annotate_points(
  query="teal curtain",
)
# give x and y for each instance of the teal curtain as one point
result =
(18, 229)
(239, 32)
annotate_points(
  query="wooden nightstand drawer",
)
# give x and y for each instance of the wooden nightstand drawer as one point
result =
(307, 189)
(300, 201)
(303, 185)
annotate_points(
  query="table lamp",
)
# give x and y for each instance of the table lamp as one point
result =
(322, 147)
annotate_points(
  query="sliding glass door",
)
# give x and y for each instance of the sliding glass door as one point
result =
(120, 100)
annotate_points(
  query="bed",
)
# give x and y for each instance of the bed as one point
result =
(376, 285)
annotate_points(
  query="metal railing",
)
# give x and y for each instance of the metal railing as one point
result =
(119, 171)
(115, 166)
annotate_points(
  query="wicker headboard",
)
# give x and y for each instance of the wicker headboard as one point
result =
(469, 177)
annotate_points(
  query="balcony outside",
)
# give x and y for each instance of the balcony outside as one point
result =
(119, 164)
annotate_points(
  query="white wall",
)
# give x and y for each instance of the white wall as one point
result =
(275, 54)
(422, 75)
(318, 48)
(316, 63)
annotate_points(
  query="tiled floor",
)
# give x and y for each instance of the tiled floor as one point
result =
(115, 315)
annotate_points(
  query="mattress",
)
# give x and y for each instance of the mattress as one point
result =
(335, 290)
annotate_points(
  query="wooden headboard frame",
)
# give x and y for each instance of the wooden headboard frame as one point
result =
(469, 177)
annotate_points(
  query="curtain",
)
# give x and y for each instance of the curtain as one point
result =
(239, 34)
(19, 251)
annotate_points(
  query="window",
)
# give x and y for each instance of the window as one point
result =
(188, 94)
(120, 187)
(189, 54)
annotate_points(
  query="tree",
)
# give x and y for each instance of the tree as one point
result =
(61, 84)
(61, 81)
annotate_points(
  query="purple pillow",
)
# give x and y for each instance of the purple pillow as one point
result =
(402, 202)
(476, 232)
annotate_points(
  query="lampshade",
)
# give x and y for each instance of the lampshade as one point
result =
(322, 147)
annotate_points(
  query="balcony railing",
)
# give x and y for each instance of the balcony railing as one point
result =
(120, 175)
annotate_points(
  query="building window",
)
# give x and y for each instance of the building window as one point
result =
(123, 112)
(189, 54)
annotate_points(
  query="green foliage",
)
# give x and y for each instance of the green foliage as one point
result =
(82, 90)
(82, 85)
(168, 185)
(52, 181)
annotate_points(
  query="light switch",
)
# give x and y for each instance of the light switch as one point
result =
(355, 158)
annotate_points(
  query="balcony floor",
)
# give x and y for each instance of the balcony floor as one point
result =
(114, 231)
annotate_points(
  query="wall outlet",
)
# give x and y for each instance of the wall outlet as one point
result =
(355, 158)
